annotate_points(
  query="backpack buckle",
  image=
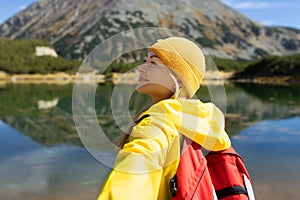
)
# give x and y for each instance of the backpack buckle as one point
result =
(173, 185)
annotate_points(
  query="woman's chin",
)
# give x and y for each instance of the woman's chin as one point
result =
(139, 89)
(142, 89)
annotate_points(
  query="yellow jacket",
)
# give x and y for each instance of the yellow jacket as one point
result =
(144, 167)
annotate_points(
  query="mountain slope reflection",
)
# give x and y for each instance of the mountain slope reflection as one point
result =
(42, 157)
(246, 106)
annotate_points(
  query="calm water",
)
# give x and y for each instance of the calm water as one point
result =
(42, 157)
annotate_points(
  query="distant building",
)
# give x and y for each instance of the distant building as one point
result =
(42, 104)
(45, 51)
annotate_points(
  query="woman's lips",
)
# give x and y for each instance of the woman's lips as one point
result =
(142, 79)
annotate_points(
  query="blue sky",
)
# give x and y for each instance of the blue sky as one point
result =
(11, 7)
(267, 12)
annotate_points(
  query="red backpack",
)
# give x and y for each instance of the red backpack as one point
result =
(218, 175)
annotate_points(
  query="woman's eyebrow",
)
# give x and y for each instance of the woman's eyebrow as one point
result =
(154, 56)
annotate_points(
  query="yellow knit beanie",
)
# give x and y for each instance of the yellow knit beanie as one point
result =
(185, 58)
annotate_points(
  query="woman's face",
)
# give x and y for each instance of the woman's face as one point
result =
(155, 79)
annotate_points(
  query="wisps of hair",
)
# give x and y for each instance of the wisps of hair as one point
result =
(180, 91)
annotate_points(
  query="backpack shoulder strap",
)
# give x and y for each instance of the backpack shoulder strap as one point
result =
(141, 118)
(192, 180)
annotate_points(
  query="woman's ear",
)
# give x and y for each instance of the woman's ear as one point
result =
(179, 83)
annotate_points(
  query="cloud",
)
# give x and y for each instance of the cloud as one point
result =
(25, 5)
(22, 7)
(253, 4)
(268, 22)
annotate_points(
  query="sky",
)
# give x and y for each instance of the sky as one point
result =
(9, 8)
(267, 12)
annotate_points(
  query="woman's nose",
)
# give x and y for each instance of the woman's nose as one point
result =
(141, 68)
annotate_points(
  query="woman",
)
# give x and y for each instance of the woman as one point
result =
(149, 159)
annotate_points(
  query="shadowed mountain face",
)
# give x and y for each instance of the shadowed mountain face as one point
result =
(75, 27)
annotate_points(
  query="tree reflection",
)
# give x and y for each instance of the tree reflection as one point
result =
(247, 104)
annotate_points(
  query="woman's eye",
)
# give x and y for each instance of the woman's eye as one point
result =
(152, 62)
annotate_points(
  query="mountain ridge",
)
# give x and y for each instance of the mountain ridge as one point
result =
(75, 27)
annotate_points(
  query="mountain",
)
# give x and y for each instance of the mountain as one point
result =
(75, 27)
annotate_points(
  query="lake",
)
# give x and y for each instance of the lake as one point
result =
(42, 156)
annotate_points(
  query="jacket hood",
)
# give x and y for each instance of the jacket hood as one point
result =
(201, 122)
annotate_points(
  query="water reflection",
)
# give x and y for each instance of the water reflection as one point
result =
(41, 155)
(278, 131)
(246, 105)
(271, 151)
(29, 170)
(280, 94)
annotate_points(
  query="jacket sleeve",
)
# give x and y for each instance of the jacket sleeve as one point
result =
(138, 167)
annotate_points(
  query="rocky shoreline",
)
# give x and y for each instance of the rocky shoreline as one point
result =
(116, 78)
(55, 78)
(211, 77)
(276, 80)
